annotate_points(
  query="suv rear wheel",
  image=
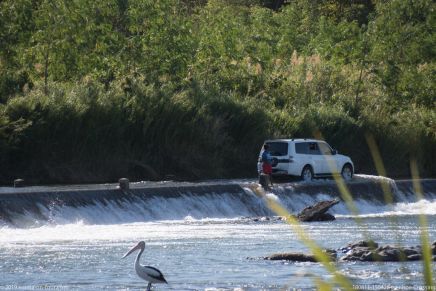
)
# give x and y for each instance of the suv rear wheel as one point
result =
(307, 173)
(347, 172)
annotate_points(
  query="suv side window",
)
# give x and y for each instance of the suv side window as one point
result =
(324, 148)
(302, 148)
(314, 149)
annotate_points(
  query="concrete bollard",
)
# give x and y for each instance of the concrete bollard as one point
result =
(18, 183)
(124, 183)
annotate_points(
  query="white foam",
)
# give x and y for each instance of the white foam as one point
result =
(425, 207)
(273, 197)
(372, 177)
(150, 231)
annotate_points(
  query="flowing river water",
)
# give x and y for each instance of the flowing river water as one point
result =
(206, 242)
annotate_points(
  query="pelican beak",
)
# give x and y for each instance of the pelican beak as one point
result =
(131, 251)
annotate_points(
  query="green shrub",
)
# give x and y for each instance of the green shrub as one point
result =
(97, 91)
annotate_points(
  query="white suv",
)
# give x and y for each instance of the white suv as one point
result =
(307, 158)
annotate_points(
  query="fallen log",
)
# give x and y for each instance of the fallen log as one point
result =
(318, 211)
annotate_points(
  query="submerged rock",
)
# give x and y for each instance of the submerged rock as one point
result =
(296, 257)
(300, 257)
(266, 218)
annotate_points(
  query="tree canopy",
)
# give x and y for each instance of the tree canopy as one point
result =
(182, 86)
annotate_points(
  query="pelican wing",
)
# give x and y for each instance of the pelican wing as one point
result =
(154, 273)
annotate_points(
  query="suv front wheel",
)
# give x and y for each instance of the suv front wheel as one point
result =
(347, 172)
(307, 173)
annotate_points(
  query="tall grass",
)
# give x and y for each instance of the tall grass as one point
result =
(88, 134)
(425, 241)
(192, 88)
(85, 132)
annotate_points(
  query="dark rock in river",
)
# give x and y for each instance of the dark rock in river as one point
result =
(365, 243)
(266, 218)
(360, 244)
(300, 257)
(318, 211)
(364, 251)
(388, 255)
(369, 251)
(296, 257)
(415, 257)
(331, 253)
(325, 217)
(410, 251)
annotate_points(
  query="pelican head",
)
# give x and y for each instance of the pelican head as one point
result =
(139, 246)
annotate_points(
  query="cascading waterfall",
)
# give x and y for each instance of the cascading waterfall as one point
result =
(227, 199)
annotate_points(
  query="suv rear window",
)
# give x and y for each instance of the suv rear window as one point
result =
(278, 148)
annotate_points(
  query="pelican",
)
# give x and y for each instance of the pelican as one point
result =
(150, 274)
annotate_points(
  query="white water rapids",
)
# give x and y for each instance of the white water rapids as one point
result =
(208, 242)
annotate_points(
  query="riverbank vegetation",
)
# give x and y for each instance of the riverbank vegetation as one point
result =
(91, 91)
